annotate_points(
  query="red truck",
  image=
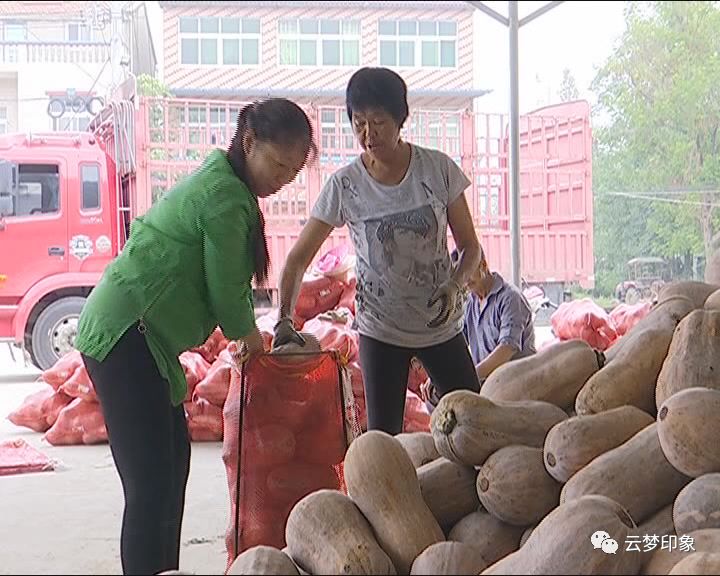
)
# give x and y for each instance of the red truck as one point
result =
(67, 199)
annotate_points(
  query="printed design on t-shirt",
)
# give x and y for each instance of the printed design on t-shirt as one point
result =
(402, 247)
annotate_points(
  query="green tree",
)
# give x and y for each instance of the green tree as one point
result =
(659, 110)
(568, 87)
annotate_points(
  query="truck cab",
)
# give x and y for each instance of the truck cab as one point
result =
(58, 231)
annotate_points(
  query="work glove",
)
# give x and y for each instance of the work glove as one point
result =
(448, 294)
(285, 333)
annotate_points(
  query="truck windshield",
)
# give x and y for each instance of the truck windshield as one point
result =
(28, 189)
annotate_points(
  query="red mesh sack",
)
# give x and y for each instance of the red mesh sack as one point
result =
(317, 294)
(625, 316)
(80, 422)
(215, 344)
(347, 298)
(196, 368)
(585, 320)
(30, 413)
(289, 419)
(79, 385)
(204, 420)
(214, 387)
(334, 332)
(417, 376)
(61, 371)
(53, 405)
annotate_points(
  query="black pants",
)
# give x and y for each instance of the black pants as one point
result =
(385, 371)
(149, 442)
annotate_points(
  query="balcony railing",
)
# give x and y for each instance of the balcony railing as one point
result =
(54, 52)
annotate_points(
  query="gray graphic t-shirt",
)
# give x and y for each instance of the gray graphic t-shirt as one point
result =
(400, 237)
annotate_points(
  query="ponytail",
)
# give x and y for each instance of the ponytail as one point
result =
(283, 123)
(236, 157)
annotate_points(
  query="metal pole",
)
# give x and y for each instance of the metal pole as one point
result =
(514, 174)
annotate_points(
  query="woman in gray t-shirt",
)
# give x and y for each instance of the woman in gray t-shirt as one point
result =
(398, 200)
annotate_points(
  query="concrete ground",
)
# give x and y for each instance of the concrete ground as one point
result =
(68, 521)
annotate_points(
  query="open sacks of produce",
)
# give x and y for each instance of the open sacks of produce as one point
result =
(288, 421)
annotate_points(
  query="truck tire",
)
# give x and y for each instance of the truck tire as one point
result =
(53, 334)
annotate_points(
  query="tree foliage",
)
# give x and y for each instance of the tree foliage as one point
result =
(657, 140)
(568, 87)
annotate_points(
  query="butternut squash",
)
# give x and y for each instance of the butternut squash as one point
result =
(713, 301)
(514, 486)
(448, 488)
(667, 314)
(526, 535)
(555, 375)
(302, 572)
(467, 427)
(262, 560)
(631, 377)
(493, 538)
(658, 525)
(697, 506)
(661, 561)
(698, 563)
(694, 356)
(382, 481)
(327, 534)
(696, 292)
(449, 558)
(689, 428)
(420, 446)
(625, 474)
(573, 443)
(561, 542)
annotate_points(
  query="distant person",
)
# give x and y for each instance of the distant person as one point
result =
(398, 199)
(188, 267)
(498, 324)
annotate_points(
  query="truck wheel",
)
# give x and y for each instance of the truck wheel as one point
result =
(53, 334)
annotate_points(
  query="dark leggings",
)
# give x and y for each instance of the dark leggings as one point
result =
(385, 369)
(149, 442)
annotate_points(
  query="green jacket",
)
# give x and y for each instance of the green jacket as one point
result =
(186, 268)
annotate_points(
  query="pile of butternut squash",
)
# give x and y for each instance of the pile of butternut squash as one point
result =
(519, 478)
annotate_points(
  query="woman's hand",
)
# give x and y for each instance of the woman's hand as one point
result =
(285, 333)
(449, 293)
(247, 347)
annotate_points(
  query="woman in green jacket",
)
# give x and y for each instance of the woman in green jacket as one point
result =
(187, 268)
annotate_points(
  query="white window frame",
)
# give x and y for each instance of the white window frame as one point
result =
(418, 40)
(219, 36)
(342, 36)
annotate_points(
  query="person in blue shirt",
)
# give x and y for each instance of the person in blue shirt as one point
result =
(498, 324)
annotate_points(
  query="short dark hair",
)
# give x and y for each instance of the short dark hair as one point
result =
(380, 89)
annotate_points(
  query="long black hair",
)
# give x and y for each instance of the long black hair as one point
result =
(278, 121)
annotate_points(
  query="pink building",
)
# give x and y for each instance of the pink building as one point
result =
(308, 50)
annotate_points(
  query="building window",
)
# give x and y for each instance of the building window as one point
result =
(220, 41)
(15, 32)
(3, 120)
(81, 33)
(417, 43)
(90, 187)
(313, 42)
